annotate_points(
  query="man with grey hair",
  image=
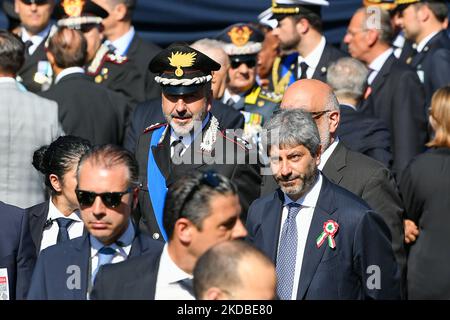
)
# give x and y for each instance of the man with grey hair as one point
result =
(324, 241)
(395, 94)
(359, 132)
(245, 273)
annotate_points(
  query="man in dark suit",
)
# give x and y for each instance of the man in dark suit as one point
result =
(122, 36)
(300, 29)
(17, 253)
(353, 171)
(326, 242)
(36, 73)
(201, 210)
(150, 112)
(358, 131)
(107, 192)
(86, 109)
(431, 57)
(190, 140)
(395, 94)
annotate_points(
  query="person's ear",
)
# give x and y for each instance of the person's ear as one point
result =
(55, 182)
(372, 37)
(135, 197)
(184, 230)
(120, 11)
(302, 26)
(214, 293)
(50, 58)
(319, 154)
(334, 119)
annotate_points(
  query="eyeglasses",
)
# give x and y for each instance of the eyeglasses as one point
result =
(36, 2)
(110, 199)
(317, 114)
(236, 63)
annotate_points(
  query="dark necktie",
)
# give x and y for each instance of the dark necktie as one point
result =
(287, 254)
(178, 148)
(28, 44)
(187, 285)
(230, 102)
(105, 256)
(303, 68)
(63, 224)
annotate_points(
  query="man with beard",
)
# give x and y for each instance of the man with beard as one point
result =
(190, 140)
(300, 33)
(326, 243)
(359, 174)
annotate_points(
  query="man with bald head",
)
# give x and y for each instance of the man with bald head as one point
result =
(353, 171)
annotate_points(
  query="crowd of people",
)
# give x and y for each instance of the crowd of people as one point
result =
(263, 163)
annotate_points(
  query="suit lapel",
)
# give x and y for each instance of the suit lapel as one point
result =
(271, 225)
(82, 255)
(379, 80)
(161, 154)
(321, 69)
(37, 223)
(313, 255)
(336, 162)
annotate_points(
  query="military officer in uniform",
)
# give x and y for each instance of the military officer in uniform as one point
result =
(242, 44)
(307, 53)
(104, 67)
(190, 140)
(36, 73)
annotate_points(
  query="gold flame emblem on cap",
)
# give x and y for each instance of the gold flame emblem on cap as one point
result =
(73, 8)
(240, 35)
(179, 60)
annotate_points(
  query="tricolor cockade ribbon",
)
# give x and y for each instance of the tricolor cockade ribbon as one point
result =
(330, 228)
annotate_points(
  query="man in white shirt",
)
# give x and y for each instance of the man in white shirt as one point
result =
(201, 209)
(314, 230)
(36, 73)
(395, 93)
(107, 192)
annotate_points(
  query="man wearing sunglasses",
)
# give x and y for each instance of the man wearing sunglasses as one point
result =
(201, 209)
(107, 192)
(242, 42)
(191, 139)
(36, 73)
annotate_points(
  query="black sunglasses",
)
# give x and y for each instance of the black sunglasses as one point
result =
(36, 2)
(110, 199)
(209, 178)
(236, 63)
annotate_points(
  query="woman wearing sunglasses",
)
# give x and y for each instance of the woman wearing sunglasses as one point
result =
(57, 219)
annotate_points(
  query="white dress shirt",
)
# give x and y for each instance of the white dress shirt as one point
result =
(187, 139)
(123, 43)
(167, 286)
(377, 64)
(303, 220)
(68, 71)
(50, 235)
(327, 154)
(227, 95)
(36, 39)
(312, 60)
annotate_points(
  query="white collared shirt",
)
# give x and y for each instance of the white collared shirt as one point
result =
(303, 220)
(327, 154)
(123, 43)
(7, 80)
(398, 44)
(312, 60)
(187, 139)
(167, 286)
(50, 235)
(421, 45)
(377, 64)
(36, 39)
(227, 95)
(68, 71)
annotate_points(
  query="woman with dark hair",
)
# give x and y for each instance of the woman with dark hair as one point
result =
(57, 219)
(425, 186)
